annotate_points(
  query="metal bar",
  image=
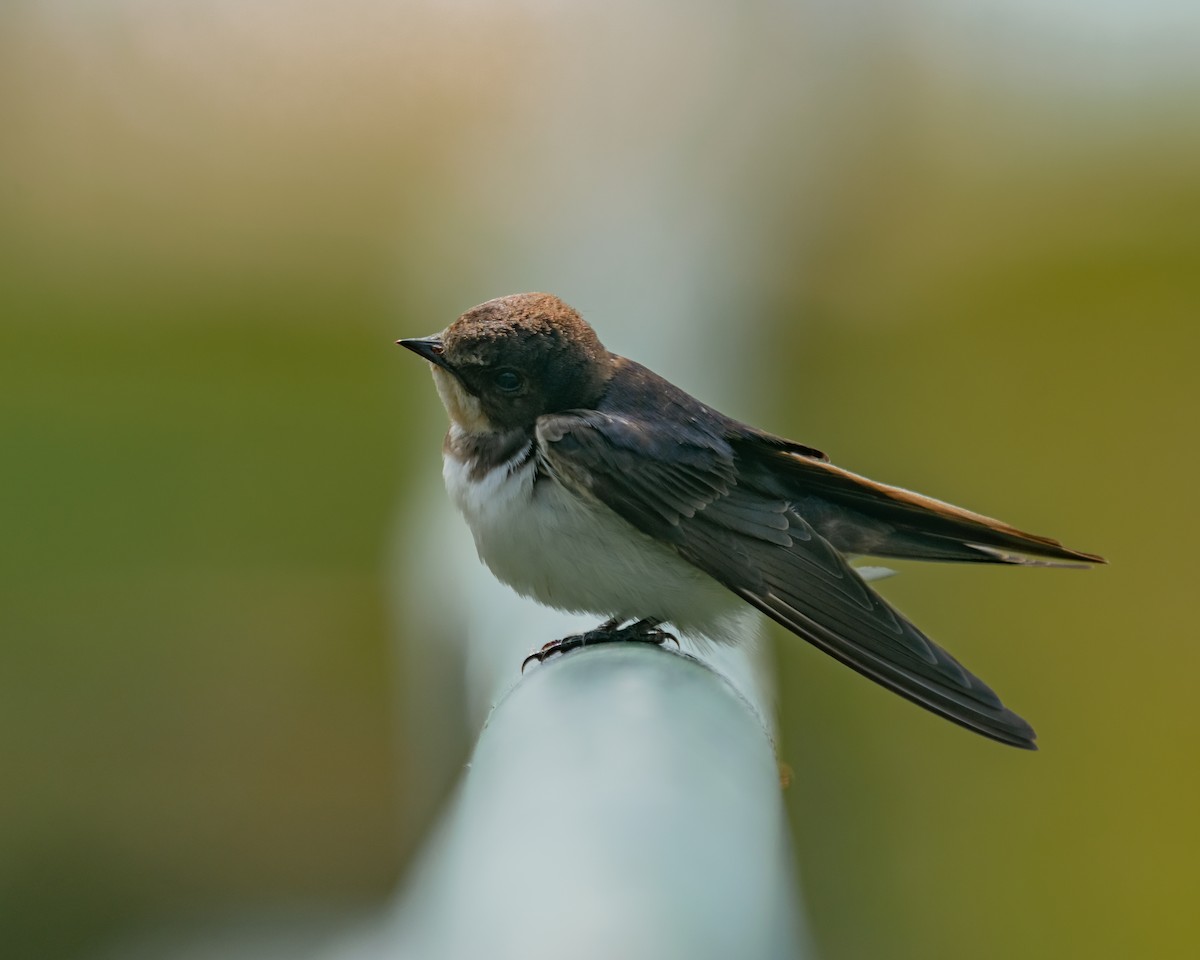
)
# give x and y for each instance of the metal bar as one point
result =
(621, 802)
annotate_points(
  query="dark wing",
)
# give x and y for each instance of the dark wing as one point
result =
(891, 521)
(686, 490)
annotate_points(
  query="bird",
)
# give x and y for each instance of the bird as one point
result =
(593, 485)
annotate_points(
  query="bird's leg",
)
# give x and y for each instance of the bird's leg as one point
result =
(640, 631)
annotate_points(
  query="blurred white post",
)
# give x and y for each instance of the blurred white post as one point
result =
(623, 801)
(619, 803)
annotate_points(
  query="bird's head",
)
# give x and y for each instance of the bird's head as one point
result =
(508, 361)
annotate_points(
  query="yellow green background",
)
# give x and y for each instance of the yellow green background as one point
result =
(213, 222)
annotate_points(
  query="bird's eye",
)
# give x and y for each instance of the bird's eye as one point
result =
(508, 381)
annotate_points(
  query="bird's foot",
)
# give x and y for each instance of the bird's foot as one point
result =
(640, 631)
(646, 631)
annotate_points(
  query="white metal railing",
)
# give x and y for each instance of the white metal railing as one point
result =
(622, 801)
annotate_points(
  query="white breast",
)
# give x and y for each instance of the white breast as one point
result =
(548, 544)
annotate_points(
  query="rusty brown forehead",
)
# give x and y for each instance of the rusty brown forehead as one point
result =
(471, 334)
(481, 329)
(537, 312)
(520, 322)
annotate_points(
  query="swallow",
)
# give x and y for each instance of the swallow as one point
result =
(593, 485)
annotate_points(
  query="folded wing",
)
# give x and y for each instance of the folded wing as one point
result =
(687, 490)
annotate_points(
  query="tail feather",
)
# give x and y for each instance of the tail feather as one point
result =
(918, 545)
(907, 524)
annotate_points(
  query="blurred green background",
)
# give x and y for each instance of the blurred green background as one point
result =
(215, 218)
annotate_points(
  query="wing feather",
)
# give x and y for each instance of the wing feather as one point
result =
(685, 489)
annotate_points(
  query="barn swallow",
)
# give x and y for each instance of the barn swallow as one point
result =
(593, 485)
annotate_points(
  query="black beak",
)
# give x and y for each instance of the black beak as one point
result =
(428, 347)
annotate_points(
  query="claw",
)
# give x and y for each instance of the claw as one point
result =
(643, 631)
(553, 647)
(647, 631)
(536, 655)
